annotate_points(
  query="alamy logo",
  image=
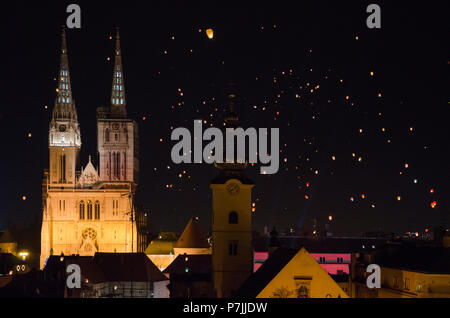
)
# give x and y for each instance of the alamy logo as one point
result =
(374, 279)
(74, 278)
(214, 152)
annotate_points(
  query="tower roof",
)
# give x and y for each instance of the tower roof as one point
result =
(192, 236)
(64, 104)
(118, 101)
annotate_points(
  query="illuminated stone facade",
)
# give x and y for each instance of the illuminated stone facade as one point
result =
(85, 211)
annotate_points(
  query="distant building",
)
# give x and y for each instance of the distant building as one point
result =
(407, 271)
(7, 243)
(290, 273)
(109, 275)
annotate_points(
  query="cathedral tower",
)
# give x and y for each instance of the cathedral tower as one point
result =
(232, 256)
(117, 135)
(64, 132)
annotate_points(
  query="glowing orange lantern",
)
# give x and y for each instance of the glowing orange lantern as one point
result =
(433, 204)
(210, 33)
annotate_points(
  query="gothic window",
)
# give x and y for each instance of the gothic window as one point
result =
(114, 164)
(82, 210)
(63, 168)
(232, 247)
(233, 217)
(118, 165)
(124, 166)
(97, 210)
(89, 210)
(107, 135)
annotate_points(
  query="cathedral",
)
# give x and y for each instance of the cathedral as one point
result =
(88, 209)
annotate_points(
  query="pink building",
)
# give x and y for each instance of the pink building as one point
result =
(333, 263)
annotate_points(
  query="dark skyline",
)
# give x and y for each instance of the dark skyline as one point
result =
(272, 54)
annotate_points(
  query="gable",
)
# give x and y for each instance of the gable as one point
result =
(301, 277)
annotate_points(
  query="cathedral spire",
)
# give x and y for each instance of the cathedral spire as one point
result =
(118, 101)
(64, 103)
(231, 120)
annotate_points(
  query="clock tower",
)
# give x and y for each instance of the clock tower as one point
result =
(232, 256)
(64, 132)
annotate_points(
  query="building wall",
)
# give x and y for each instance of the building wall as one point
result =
(128, 290)
(64, 232)
(230, 271)
(397, 283)
(8, 248)
(122, 135)
(161, 261)
(192, 251)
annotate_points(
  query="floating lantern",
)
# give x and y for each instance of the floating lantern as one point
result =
(210, 33)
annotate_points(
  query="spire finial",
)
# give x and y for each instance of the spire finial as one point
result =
(118, 53)
(63, 40)
(232, 118)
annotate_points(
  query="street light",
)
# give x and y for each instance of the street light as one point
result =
(24, 255)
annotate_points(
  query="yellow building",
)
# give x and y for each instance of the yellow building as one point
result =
(406, 272)
(85, 211)
(291, 273)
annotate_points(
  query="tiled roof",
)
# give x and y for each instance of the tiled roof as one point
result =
(135, 267)
(192, 236)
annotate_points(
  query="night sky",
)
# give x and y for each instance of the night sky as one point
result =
(367, 148)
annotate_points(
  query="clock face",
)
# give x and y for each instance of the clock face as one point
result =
(62, 128)
(233, 188)
(115, 126)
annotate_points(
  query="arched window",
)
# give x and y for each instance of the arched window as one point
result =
(233, 217)
(63, 168)
(97, 210)
(89, 210)
(107, 135)
(82, 210)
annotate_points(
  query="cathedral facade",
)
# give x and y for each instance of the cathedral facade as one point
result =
(91, 209)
